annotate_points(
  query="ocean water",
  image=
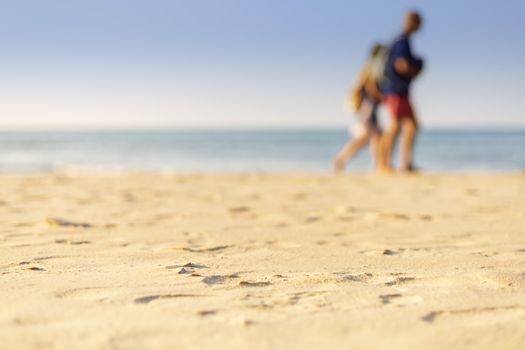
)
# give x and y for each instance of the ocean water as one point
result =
(248, 150)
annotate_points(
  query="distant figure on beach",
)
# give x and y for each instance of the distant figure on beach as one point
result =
(400, 69)
(364, 100)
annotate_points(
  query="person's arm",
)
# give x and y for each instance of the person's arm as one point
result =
(405, 64)
(373, 91)
(404, 67)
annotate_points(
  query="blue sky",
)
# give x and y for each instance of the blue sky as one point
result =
(212, 63)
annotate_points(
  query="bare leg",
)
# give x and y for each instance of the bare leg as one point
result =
(375, 149)
(387, 144)
(349, 151)
(407, 143)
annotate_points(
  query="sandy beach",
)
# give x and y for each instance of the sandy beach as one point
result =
(211, 261)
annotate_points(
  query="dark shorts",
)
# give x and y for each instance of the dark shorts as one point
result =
(399, 106)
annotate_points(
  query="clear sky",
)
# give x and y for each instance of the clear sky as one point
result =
(223, 63)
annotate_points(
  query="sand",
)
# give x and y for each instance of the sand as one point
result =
(160, 261)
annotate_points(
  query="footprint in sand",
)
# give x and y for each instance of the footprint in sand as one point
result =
(404, 252)
(56, 222)
(399, 281)
(400, 299)
(487, 254)
(190, 272)
(65, 241)
(388, 252)
(204, 313)
(50, 257)
(204, 250)
(218, 279)
(433, 315)
(309, 300)
(254, 284)
(34, 264)
(187, 269)
(239, 210)
(243, 212)
(314, 280)
(34, 268)
(148, 299)
(368, 278)
(305, 300)
(35, 261)
(363, 277)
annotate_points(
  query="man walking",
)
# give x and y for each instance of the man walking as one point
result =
(400, 69)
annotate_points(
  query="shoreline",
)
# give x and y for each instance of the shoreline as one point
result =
(94, 171)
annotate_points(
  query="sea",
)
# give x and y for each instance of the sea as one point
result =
(276, 151)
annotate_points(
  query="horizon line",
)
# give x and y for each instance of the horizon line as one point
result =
(289, 127)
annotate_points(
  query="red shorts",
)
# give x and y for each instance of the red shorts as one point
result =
(399, 106)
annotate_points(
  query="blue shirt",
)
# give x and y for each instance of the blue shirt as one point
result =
(394, 83)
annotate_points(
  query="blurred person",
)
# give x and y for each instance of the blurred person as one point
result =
(364, 100)
(401, 68)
